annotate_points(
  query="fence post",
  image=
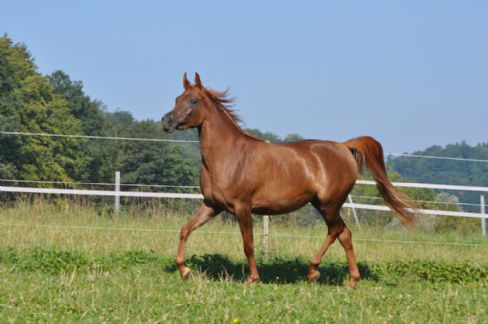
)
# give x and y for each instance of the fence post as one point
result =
(356, 219)
(483, 215)
(265, 235)
(117, 196)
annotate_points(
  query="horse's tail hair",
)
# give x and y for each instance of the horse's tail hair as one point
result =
(369, 153)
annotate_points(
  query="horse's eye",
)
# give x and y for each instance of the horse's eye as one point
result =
(194, 101)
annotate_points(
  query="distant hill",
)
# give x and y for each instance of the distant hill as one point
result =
(447, 171)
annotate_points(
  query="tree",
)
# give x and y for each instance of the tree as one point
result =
(89, 112)
(154, 162)
(292, 138)
(267, 136)
(447, 171)
(29, 104)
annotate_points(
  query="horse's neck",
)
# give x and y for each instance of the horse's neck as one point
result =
(218, 138)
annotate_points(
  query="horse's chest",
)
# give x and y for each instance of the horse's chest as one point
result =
(216, 190)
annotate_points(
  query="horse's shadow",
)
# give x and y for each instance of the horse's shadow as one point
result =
(276, 271)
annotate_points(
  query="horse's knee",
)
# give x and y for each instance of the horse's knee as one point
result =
(345, 234)
(248, 249)
(335, 225)
(184, 233)
(345, 237)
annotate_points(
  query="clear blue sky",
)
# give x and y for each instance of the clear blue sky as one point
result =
(410, 73)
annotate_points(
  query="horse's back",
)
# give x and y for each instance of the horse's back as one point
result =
(289, 175)
(334, 155)
(334, 161)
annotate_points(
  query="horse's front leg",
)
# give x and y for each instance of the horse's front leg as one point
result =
(244, 216)
(203, 214)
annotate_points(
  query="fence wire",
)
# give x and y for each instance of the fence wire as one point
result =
(276, 235)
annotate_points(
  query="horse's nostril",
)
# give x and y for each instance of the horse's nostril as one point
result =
(168, 123)
(166, 119)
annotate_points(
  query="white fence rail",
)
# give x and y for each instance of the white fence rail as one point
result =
(85, 192)
(429, 186)
(116, 193)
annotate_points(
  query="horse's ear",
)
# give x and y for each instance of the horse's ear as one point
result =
(198, 82)
(186, 83)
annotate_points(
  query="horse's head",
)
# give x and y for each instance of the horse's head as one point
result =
(189, 109)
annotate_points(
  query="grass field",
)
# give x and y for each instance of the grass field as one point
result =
(63, 263)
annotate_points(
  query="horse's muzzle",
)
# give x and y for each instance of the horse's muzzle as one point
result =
(169, 123)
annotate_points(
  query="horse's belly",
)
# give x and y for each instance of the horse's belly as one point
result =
(280, 203)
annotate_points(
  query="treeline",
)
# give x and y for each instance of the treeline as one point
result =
(54, 104)
(34, 103)
(446, 171)
(443, 171)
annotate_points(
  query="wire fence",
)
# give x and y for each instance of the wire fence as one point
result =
(195, 141)
(456, 203)
(206, 232)
(100, 137)
(110, 184)
(171, 195)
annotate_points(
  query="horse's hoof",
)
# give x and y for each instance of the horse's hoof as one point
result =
(252, 280)
(185, 273)
(352, 283)
(314, 277)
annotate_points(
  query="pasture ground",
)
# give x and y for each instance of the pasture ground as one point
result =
(62, 263)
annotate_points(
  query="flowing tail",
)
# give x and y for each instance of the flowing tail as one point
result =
(368, 152)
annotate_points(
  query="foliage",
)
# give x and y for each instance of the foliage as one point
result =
(33, 103)
(265, 136)
(89, 112)
(28, 103)
(53, 260)
(456, 172)
(445, 171)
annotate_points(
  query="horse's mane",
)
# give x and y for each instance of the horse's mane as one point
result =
(223, 103)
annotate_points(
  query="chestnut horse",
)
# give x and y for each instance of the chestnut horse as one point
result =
(245, 175)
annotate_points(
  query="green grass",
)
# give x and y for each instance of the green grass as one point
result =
(93, 268)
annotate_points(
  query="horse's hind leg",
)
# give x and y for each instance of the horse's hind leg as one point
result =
(336, 229)
(346, 241)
